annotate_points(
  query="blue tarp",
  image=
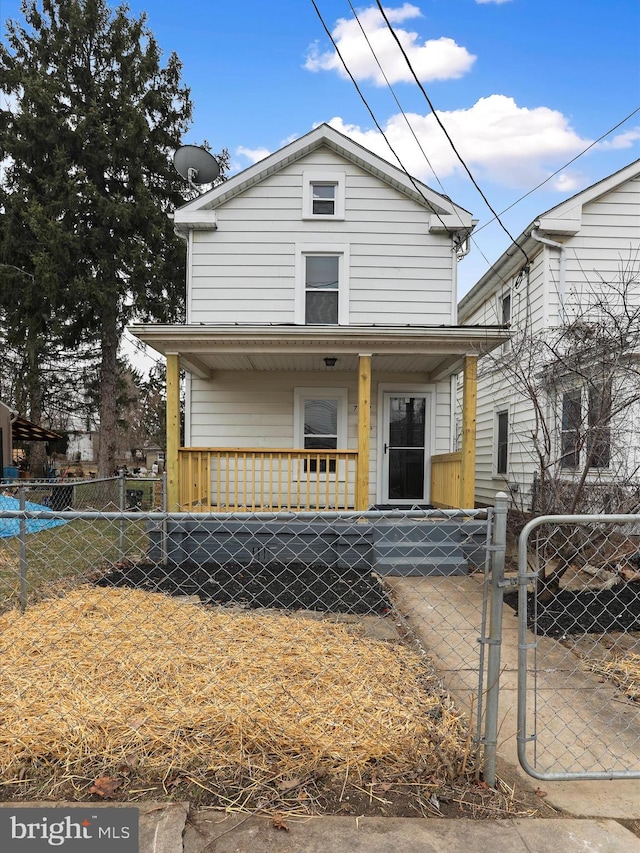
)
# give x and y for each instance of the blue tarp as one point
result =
(11, 526)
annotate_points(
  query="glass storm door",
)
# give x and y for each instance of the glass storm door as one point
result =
(405, 448)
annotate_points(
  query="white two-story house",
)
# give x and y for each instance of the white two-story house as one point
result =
(321, 341)
(559, 405)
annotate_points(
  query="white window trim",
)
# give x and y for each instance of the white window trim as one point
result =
(323, 176)
(342, 253)
(496, 413)
(322, 393)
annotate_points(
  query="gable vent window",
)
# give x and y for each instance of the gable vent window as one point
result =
(323, 194)
(323, 199)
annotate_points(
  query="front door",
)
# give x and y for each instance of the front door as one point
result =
(405, 448)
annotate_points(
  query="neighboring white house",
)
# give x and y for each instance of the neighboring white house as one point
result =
(321, 339)
(581, 252)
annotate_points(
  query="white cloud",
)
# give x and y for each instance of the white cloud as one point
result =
(497, 2)
(622, 140)
(500, 141)
(567, 183)
(253, 155)
(433, 59)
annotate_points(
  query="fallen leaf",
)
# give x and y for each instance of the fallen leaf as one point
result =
(105, 786)
(540, 792)
(288, 784)
(279, 823)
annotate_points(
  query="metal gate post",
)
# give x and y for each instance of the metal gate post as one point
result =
(498, 550)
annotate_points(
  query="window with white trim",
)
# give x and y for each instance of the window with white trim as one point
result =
(585, 427)
(502, 443)
(322, 194)
(320, 422)
(322, 286)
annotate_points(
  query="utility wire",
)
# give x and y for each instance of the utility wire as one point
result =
(409, 125)
(562, 168)
(371, 113)
(444, 130)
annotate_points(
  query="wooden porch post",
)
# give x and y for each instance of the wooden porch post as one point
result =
(469, 402)
(173, 431)
(364, 430)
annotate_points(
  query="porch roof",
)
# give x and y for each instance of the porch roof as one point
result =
(434, 351)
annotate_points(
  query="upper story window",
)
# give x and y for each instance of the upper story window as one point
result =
(322, 194)
(323, 199)
(322, 285)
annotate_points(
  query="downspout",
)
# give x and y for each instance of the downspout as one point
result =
(535, 234)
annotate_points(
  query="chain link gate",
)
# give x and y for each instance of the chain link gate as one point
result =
(246, 652)
(578, 608)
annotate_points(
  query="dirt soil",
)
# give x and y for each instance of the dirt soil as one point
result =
(585, 611)
(293, 586)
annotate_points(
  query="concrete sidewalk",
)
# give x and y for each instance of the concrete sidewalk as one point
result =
(175, 828)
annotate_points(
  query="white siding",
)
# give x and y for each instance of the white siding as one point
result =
(608, 240)
(244, 272)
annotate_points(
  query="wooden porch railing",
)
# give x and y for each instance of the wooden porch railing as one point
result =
(446, 480)
(250, 479)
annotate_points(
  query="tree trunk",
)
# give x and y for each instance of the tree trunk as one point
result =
(35, 396)
(109, 342)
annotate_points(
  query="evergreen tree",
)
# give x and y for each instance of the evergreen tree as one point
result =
(91, 123)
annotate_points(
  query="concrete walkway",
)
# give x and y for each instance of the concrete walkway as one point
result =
(580, 720)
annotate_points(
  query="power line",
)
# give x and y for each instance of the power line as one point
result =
(409, 125)
(371, 113)
(569, 163)
(444, 130)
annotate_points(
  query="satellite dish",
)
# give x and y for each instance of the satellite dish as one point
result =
(196, 165)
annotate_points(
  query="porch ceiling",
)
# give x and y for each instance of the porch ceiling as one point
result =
(436, 352)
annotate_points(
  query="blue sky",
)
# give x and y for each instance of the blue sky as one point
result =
(523, 86)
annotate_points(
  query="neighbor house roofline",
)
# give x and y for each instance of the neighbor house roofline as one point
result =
(562, 220)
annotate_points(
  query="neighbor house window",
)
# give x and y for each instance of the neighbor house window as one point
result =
(599, 418)
(571, 427)
(505, 317)
(323, 194)
(502, 442)
(586, 427)
(320, 423)
(322, 297)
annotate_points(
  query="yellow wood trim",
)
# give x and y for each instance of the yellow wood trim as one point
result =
(173, 432)
(364, 431)
(469, 403)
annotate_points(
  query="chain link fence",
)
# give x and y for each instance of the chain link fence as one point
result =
(578, 606)
(103, 494)
(260, 660)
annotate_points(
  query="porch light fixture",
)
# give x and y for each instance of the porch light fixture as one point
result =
(330, 361)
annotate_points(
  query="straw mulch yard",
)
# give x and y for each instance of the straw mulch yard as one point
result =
(624, 672)
(153, 696)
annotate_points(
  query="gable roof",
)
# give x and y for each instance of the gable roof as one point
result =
(195, 214)
(564, 219)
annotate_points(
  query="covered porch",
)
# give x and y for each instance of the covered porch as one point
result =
(304, 478)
